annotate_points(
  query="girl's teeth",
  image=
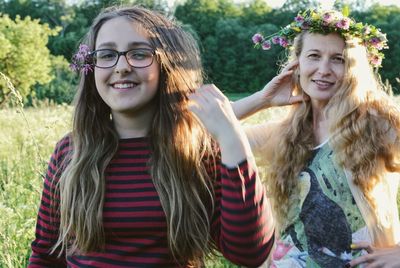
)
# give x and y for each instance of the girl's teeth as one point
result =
(124, 85)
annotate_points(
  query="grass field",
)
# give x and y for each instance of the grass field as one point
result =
(27, 139)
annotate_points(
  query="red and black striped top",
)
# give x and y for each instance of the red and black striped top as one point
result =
(135, 224)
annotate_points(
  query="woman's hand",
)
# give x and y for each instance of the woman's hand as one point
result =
(279, 91)
(377, 257)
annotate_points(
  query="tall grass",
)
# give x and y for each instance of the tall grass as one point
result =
(27, 138)
(24, 152)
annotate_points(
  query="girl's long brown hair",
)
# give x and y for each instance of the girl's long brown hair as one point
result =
(364, 125)
(179, 146)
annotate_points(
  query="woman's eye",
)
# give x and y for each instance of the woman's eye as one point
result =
(313, 56)
(338, 59)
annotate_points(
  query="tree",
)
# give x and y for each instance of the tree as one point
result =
(24, 57)
(387, 18)
(62, 87)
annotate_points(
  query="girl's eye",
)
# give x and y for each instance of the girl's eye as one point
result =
(106, 55)
(140, 54)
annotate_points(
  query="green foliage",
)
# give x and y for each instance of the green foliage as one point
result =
(222, 27)
(24, 57)
(225, 37)
(62, 87)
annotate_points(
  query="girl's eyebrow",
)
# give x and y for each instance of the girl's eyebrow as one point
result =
(131, 44)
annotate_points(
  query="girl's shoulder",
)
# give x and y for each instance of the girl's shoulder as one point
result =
(63, 148)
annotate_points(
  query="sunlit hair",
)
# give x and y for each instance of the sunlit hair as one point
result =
(363, 123)
(179, 147)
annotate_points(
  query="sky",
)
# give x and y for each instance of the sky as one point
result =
(324, 3)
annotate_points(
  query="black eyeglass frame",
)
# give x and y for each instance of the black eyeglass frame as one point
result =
(122, 53)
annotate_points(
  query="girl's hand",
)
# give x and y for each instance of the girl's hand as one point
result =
(214, 110)
(376, 257)
(279, 91)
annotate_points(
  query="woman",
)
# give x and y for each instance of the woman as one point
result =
(333, 162)
(138, 182)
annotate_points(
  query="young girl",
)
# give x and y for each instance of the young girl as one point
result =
(333, 161)
(138, 182)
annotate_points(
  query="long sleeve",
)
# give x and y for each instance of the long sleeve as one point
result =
(47, 225)
(243, 224)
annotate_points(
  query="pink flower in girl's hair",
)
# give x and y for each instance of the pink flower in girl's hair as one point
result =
(281, 250)
(257, 38)
(80, 62)
(82, 52)
(266, 45)
(343, 24)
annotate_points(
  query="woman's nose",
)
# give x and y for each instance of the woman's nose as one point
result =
(324, 67)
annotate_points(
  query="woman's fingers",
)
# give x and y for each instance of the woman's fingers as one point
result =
(291, 65)
(363, 245)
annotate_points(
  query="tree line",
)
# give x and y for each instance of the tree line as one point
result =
(39, 37)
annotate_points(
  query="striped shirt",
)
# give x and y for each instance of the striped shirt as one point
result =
(135, 224)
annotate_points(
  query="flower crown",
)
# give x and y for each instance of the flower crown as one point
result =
(81, 60)
(326, 22)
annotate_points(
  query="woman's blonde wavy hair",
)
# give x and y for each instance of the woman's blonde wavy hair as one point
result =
(179, 146)
(364, 126)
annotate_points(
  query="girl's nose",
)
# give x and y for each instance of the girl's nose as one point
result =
(122, 65)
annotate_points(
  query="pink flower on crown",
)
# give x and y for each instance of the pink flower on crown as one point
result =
(299, 19)
(276, 40)
(366, 30)
(327, 18)
(266, 45)
(343, 24)
(375, 60)
(283, 42)
(305, 25)
(257, 38)
(376, 42)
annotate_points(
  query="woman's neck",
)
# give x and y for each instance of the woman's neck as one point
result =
(320, 125)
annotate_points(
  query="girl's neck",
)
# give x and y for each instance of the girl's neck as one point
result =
(133, 125)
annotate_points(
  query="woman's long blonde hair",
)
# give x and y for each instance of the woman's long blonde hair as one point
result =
(179, 147)
(364, 128)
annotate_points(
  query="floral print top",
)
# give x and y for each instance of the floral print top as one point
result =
(323, 218)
